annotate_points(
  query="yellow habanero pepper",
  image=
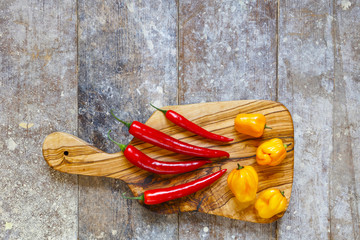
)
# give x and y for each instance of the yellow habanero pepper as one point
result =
(270, 202)
(250, 124)
(243, 182)
(271, 152)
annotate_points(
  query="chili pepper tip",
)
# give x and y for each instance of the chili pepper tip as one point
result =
(121, 146)
(123, 122)
(141, 197)
(161, 110)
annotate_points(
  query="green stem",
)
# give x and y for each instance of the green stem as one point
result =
(286, 145)
(162, 110)
(282, 193)
(267, 127)
(141, 197)
(125, 123)
(239, 167)
(121, 146)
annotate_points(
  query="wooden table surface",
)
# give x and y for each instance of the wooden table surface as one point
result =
(65, 64)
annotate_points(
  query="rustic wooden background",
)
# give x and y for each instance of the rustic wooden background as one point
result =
(65, 64)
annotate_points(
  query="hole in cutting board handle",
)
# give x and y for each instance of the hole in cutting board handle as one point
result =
(66, 153)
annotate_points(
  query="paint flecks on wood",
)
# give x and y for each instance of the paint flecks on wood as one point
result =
(130, 54)
(127, 59)
(344, 187)
(38, 62)
(227, 51)
(312, 84)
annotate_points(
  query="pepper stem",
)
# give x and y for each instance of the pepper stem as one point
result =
(161, 110)
(286, 145)
(121, 146)
(141, 197)
(239, 167)
(267, 127)
(125, 123)
(282, 193)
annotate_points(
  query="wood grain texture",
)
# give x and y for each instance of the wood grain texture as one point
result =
(344, 186)
(67, 153)
(312, 83)
(127, 59)
(306, 86)
(129, 54)
(38, 96)
(227, 51)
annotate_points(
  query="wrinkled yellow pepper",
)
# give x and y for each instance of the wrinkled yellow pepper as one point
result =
(243, 182)
(250, 124)
(270, 202)
(271, 152)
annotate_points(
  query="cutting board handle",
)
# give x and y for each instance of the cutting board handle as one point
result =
(67, 153)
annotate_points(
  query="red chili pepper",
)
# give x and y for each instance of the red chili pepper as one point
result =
(157, 138)
(160, 195)
(142, 161)
(190, 126)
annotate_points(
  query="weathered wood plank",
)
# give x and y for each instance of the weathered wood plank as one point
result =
(306, 86)
(227, 51)
(38, 96)
(345, 163)
(127, 59)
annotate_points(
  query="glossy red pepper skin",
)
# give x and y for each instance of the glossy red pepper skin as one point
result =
(143, 161)
(160, 195)
(157, 138)
(192, 127)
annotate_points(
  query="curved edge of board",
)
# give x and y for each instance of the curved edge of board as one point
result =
(228, 202)
(67, 153)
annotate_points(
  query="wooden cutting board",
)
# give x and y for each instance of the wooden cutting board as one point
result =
(69, 154)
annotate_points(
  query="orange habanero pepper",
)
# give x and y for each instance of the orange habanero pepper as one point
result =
(250, 124)
(271, 152)
(243, 182)
(270, 202)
